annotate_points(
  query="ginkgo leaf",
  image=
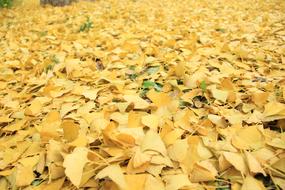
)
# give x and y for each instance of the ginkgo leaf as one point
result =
(91, 94)
(274, 109)
(253, 164)
(153, 183)
(138, 102)
(248, 138)
(178, 150)
(54, 185)
(159, 98)
(236, 160)
(34, 109)
(152, 141)
(250, 183)
(70, 130)
(74, 164)
(220, 95)
(24, 175)
(175, 182)
(152, 121)
(203, 171)
(115, 173)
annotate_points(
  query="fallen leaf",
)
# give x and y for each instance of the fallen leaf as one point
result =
(138, 102)
(70, 130)
(175, 182)
(220, 95)
(74, 171)
(34, 109)
(152, 141)
(251, 183)
(236, 160)
(253, 164)
(159, 98)
(115, 173)
(151, 120)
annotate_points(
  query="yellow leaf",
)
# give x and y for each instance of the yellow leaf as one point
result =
(134, 119)
(159, 98)
(3, 183)
(277, 142)
(172, 136)
(279, 181)
(70, 130)
(115, 173)
(251, 183)
(152, 141)
(74, 164)
(152, 183)
(220, 95)
(138, 102)
(15, 126)
(90, 94)
(274, 109)
(175, 182)
(236, 160)
(121, 118)
(135, 182)
(67, 107)
(24, 176)
(80, 141)
(54, 185)
(203, 171)
(260, 98)
(151, 121)
(280, 165)
(5, 119)
(34, 109)
(140, 158)
(180, 69)
(178, 150)
(248, 138)
(253, 164)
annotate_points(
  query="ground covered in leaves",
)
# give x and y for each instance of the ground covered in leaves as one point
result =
(143, 95)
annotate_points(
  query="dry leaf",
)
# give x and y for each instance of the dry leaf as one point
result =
(159, 98)
(152, 121)
(251, 183)
(175, 182)
(253, 164)
(138, 102)
(152, 141)
(34, 109)
(70, 130)
(74, 171)
(115, 173)
(220, 95)
(236, 160)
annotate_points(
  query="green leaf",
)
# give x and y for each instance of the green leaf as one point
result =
(158, 87)
(6, 3)
(86, 26)
(43, 33)
(54, 59)
(183, 104)
(203, 86)
(49, 67)
(222, 30)
(133, 76)
(37, 182)
(152, 70)
(148, 84)
(132, 67)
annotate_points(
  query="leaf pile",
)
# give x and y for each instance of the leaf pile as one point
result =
(144, 95)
